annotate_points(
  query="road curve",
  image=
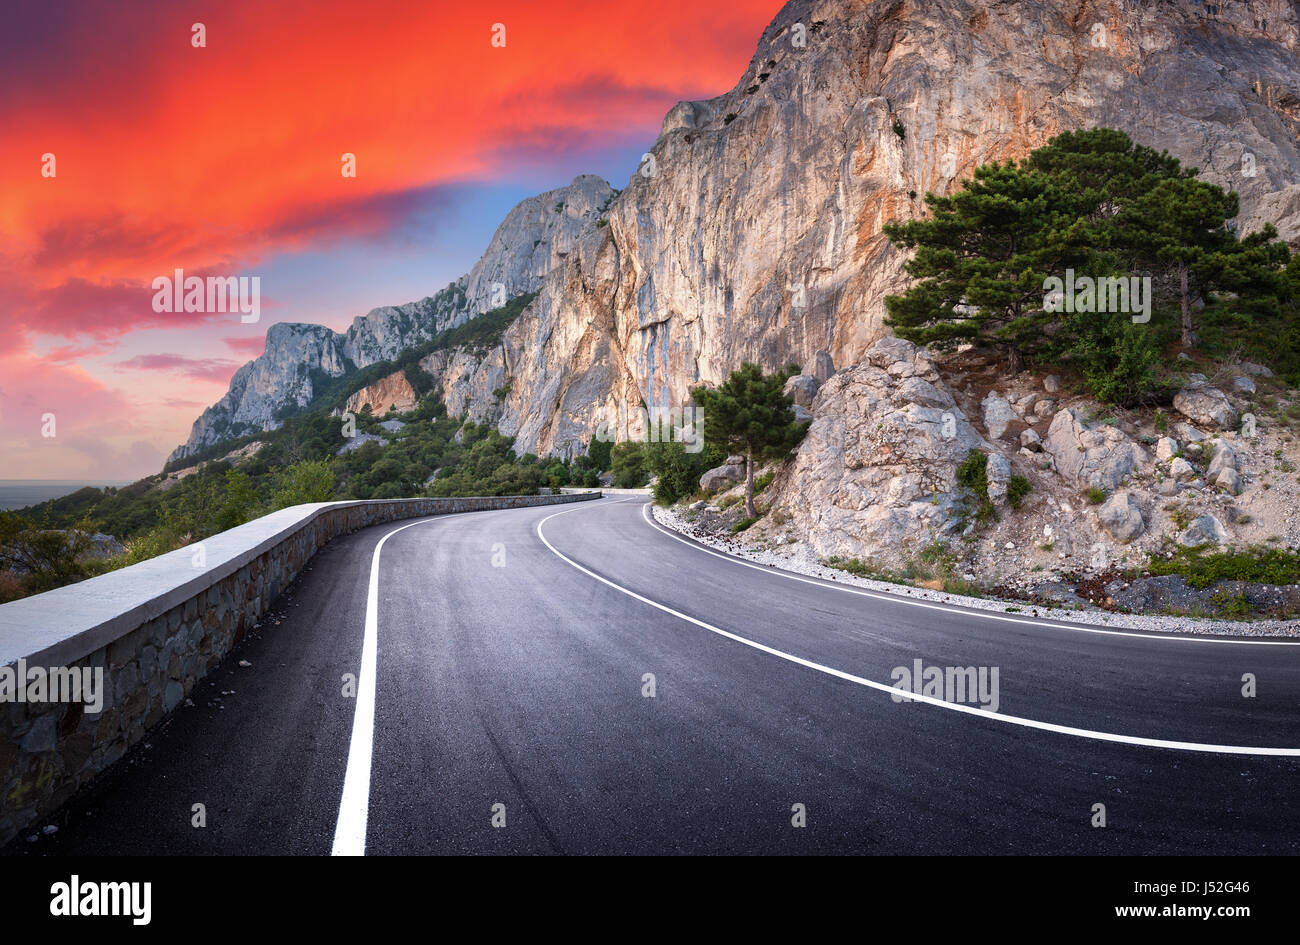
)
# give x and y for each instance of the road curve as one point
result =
(510, 665)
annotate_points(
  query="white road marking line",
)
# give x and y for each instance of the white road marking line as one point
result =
(912, 697)
(957, 609)
(354, 806)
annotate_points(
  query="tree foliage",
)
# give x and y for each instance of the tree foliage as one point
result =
(748, 413)
(1096, 203)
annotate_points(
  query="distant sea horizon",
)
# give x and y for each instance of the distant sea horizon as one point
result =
(20, 493)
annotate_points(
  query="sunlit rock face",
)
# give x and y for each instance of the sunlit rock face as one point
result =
(753, 230)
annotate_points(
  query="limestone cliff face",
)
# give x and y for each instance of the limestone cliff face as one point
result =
(393, 392)
(280, 377)
(755, 232)
(535, 237)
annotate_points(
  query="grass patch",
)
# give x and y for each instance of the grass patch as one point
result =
(743, 524)
(1258, 565)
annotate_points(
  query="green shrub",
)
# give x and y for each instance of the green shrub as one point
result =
(1258, 565)
(973, 475)
(743, 524)
(599, 454)
(1095, 495)
(1017, 488)
(628, 462)
(305, 482)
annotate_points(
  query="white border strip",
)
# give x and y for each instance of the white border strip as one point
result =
(1134, 634)
(881, 687)
(354, 807)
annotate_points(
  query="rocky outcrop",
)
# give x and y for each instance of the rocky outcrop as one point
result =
(393, 392)
(535, 237)
(360, 440)
(877, 467)
(754, 233)
(283, 376)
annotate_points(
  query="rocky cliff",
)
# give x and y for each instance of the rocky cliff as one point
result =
(753, 228)
(532, 240)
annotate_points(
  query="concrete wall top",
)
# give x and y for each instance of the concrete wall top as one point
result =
(58, 627)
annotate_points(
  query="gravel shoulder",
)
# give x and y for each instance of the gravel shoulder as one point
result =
(799, 559)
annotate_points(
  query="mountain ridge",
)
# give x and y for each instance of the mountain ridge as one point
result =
(752, 230)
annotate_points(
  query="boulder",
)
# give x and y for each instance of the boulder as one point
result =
(1030, 440)
(1225, 457)
(1166, 449)
(1243, 385)
(896, 356)
(997, 415)
(1093, 457)
(722, 477)
(1052, 383)
(1230, 480)
(1181, 470)
(1044, 408)
(1203, 531)
(1121, 518)
(802, 388)
(1254, 370)
(1206, 405)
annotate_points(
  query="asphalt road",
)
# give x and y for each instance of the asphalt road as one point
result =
(510, 659)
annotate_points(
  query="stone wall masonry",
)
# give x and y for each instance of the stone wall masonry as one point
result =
(156, 628)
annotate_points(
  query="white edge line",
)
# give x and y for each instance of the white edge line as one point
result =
(354, 805)
(1134, 634)
(913, 697)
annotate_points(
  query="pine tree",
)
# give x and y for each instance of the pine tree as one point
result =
(1091, 201)
(748, 413)
(1181, 226)
(981, 258)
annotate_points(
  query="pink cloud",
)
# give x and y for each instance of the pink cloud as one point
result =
(246, 346)
(204, 369)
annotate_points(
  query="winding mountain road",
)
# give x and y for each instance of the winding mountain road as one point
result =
(582, 680)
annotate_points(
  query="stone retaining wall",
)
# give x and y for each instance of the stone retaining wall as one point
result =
(155, 629)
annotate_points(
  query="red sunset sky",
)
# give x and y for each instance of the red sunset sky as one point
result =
(226, 159)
